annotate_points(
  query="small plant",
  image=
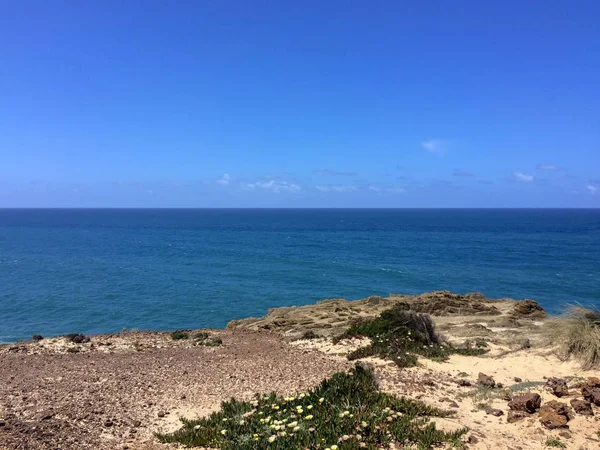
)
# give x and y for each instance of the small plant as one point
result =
(346, 411)
(201, 335)
(214, 341)
(481, 343)
(555, 443)
(179, 335)
(309, 334)
(400, 335)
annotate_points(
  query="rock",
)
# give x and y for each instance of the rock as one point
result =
(591, 394)
(529, 402)
(453, 405)
(2, 423)
(558, 386)
(499, 385)
(565, 434)
(472, 440)
(554, 415)
(529, 309)
(515, 416)
(464, 383)
(108, 423)
(485, 380)
(582, 407)
(518, 380)
(524, 344)
(77, 338)
(494, 412)
(161, 414)
(136, 423)
(37, 337)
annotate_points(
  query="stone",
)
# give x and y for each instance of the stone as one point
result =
(582, 407)
(485, 380)
(161, 414)
(108, 423)
(591, 394)
(529, 402)
(453, 405)
(37, 337)
(558, 386)
(136, 423)
(494, 412)
(554, 415)
(565, 434)
(515, 416)
(464, 383)
(472, 440)
(499, 385)
(518, 380)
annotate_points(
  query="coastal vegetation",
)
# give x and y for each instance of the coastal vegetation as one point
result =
(578, 336)
(401, 335)
(346, 411)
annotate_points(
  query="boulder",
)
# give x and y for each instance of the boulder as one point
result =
(529, 402)
(494, 412)
(555, 415)
(37, 337)
(582, 407)
(485, 380)
(558, 386)
(591, 394)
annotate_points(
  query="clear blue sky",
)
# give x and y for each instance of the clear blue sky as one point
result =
(299, 103)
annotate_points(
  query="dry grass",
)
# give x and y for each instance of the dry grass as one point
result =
(577, 335)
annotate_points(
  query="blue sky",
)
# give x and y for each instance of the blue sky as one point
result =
(299, 104)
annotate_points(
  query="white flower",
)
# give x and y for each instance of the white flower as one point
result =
(223, 432)
(272, 438)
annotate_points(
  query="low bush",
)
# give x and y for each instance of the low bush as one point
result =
(400, 335)
(345, 412)
(179, 335)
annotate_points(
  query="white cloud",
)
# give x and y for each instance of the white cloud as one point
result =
(548, 167)
(523, 177)
(437, 146)
(224, 180)
(332, 172)
(336, 188)
(593, 189)
(387, 190)
(273, 186)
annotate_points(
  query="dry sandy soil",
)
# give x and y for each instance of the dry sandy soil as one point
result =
(116, 391)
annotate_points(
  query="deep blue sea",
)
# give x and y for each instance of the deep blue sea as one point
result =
(96, 271)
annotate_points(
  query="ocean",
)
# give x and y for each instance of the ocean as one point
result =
(99, 271)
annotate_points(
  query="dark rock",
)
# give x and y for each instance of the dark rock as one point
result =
(515, 416)
(161, 414)
(472, 440)
(2, 423)
(518, 380)
(558, 386)
(529, 402)
(524, 344)
(485, 380)
(494, 412)
(77, 338)
(591, 394)
(453, 405)
(529, 309)
(37, 337)
(582, 407)
(499, 385)
(108, 423)
(464, 383)
(554, 415)
(136, 423)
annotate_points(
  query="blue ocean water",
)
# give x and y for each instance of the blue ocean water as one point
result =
(96, 271)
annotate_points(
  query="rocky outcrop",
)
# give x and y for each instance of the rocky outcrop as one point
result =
(591, 391)
(485, 380)
(529, 309)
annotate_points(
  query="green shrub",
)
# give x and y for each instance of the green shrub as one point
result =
(346, 411)
(201, 335)
(179, 335)
(400, 335)
(214, 341)
(555, 443)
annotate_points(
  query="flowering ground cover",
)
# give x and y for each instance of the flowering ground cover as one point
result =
(345, 412)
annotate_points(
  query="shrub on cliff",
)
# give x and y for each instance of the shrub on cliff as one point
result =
(400, 335)
(578, 336)
(346, 412)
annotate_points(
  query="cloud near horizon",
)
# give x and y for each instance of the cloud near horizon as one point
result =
(593, 189)
(462, 173)
(437, 146)
(335, 188)
(548, 167)
(524, 178)
(276, 186)
(224, 180)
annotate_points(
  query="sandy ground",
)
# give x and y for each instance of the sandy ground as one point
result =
(116, 391)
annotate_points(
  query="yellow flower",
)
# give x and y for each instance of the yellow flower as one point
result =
(321, 400)
(309, 407)
(197, 427)
(309, 417)
(272, 438)
(223, 432)
(296, 428)
(334, 447)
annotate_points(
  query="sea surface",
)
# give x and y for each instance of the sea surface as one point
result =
(98, 271)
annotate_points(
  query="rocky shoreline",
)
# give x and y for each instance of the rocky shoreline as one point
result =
(116, 391)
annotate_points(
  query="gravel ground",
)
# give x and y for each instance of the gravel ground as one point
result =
(117, 390)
